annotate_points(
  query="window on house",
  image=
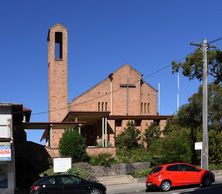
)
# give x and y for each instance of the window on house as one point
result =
(141, 108)
(58, 45)
(148, 107)
(144, 107)
(98, 106)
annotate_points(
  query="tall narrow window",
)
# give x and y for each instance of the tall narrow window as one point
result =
(144, 107)
(102, 106)
(98, 106)
(141, 108)
(58, 45)
(106, 106)
(148, 107)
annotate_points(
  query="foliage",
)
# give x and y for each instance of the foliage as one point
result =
(73, 145)
(193, 65)
(48, 172)
(215, 147)
(152, 133)
(85, 170)
(141, 173)
(172, 148)
(103, 159)
(129, 138)
(215, 166)
(190, 116)
(82, 173)
(132, 155)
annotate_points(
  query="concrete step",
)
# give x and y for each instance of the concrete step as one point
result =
(116, 180)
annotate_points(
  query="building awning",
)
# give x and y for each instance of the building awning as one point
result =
(53, 125)
(47, 125)
(88, 116)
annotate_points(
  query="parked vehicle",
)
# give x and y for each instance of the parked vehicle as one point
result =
(178, 174)
(66, 184)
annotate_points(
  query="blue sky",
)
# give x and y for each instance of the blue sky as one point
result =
(103, 35)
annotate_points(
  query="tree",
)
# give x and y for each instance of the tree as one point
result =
(193, 65)
(152, 133)
(189, 117)
(73, 145)
(129, 138)
(172, 148)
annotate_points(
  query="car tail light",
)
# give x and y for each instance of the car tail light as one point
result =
(35, 188)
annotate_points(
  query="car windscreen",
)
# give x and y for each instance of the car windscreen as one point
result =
(156, 169)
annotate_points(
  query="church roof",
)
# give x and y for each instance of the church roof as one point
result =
(110, 75)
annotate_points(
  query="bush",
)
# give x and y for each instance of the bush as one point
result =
(172, 148)
(141, 173)
(103, 159)
(129, 138)
(152, 133)
(82, 173)
(73, 145)
(132, 155)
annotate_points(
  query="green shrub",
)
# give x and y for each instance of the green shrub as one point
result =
(215, 166)
(73, 145)
(129, 138)
(173, 148)
(132, 155)
(103, 159)
(82, 173)
(141, 173)
(152, 133)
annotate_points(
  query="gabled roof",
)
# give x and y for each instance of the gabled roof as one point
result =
(110, 75)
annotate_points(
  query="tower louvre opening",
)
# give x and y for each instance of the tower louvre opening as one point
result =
(58, 45)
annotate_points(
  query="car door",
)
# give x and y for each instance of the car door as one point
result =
(190, 174)
(51, 185)
(73, 185)
(174, 174)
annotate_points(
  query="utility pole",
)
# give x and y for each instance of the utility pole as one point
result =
(178, 90)
(204, 152)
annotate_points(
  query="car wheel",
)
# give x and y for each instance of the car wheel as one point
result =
(207, 181)
(165, 186)
(95, 191)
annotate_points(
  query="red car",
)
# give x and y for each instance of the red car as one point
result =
(178, 174)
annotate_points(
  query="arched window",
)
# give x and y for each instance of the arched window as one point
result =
(102, 106)
(106, 108)
(98, 106)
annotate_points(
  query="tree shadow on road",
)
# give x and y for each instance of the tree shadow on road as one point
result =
(215, 189)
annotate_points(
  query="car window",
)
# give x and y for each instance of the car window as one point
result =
(70, 180)
(172, 168)
(185, 167)
(47, 181)
(156, 169)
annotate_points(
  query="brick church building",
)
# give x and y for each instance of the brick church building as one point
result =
(104, 109)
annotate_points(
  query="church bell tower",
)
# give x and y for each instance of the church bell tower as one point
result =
(57, 73)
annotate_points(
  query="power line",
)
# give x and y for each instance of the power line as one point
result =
(90, 100)
(216, 40)
(144, 77)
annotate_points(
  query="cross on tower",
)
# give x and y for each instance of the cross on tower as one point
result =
(127, 86)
